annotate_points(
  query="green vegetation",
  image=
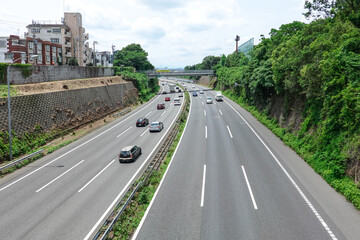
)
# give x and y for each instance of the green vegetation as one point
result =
(303, 82)
(26, 71)
(4, 91)
(73, 62)
(133, 56)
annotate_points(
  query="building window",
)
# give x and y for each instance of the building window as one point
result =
(47, 48)
(31, 45)
(2, 44)
(56, 30)
(35, 30)
(8, 56)
(47, 58)
(49, 30)
(59, 50)
(54, 40)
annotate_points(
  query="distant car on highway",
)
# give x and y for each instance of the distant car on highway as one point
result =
(181, 95)
(164, 92)
(201, 91)
(156, 127)
(209, 100)
(194, 94)
(177, 101)
(142, 122)
(167, 99)
(161, 106)
(129, 154)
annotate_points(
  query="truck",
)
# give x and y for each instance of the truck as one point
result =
(218, 97)
(172, 88)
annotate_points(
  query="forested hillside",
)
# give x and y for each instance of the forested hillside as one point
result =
(305, 78)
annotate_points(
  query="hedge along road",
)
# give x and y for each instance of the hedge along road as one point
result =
(65, 195)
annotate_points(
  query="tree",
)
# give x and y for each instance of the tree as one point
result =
(133, 56)
(72, 62)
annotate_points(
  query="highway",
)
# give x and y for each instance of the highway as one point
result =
(68, 194)
(231, 178)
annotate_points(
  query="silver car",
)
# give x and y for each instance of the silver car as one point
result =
(156, 127)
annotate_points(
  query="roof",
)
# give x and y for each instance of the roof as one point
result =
(128, 148)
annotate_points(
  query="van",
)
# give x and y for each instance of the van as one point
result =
(219, 97)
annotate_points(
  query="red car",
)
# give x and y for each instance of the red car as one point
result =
(161, 106)
(167, 99)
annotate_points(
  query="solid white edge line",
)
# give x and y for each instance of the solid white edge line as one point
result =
(205, 131)
(128, 183)
(59, 176)
(96, 176)
(76, 147)
(203, 187)
(162, 180)
(144, 132)
(163, 113)
(321, 220)
(229, 131)
(124, 132)
(250, 191)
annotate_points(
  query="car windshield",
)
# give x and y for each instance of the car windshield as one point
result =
(154, 124)
(125, 154)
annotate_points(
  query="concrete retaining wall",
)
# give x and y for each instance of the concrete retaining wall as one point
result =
(55, 73)
(65, 109)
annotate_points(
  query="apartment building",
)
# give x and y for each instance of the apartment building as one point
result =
(69, 33)
(12, 49)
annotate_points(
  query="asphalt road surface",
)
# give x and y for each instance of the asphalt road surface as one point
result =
(231, 178)
(68, 194)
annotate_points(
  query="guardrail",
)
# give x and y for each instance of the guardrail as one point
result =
(20, 160)
(122, 112)
(154, 165)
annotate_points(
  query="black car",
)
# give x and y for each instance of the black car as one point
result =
(142, 122)
(194, 94)
(129, 154)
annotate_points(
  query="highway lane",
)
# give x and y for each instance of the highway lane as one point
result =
(278, 206)
(48, 203)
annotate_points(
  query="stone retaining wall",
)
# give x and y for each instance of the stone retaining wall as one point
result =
(65, 109)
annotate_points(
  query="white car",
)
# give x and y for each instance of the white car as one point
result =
(201, 92)
(177, 101)
(209, 100)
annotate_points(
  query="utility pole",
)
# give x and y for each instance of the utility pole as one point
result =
(237, 39)
(95, 42)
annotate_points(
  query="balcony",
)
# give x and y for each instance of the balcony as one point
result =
(68, 55)
(86, 37)
(68, 45)
(67, 35)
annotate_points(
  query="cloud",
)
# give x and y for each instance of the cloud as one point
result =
(160, 5)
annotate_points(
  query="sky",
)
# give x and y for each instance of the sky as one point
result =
(174, 33)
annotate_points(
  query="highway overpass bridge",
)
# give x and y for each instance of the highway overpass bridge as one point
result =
(176, 73)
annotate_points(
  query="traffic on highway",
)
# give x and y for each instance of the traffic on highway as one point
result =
(229, 178)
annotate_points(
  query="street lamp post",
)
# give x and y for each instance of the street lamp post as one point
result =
(95, 42)
(8, 97)
(121, 70)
